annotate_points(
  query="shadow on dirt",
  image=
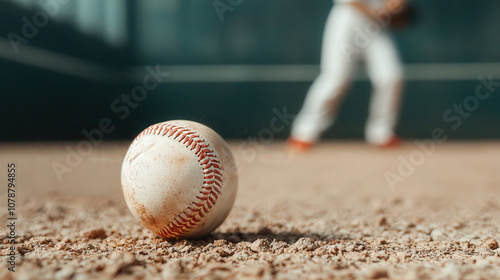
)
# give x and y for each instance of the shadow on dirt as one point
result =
(290, 237)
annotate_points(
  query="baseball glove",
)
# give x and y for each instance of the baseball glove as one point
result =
(405, 18)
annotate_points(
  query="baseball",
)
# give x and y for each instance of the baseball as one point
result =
(179, 179)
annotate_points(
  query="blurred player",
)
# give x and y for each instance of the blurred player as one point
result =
(355, 30)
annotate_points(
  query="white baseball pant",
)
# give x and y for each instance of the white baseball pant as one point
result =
(349, 37)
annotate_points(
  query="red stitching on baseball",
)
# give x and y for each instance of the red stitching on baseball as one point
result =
(212, 179)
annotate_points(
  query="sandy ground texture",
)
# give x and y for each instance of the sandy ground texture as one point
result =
(327, 214)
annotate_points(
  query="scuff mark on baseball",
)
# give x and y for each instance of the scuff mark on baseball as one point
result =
(179, 179)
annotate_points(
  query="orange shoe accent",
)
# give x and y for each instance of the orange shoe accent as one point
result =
(393, 142)
(300, 146)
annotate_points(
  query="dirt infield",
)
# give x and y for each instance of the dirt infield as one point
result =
(327, 214)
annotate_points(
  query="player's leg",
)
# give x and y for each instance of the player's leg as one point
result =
(325, 94)
(385, 71)
(319, 109)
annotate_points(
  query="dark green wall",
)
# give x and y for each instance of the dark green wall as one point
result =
(289, 31)
(40, 104)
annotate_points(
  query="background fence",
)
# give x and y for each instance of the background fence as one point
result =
(228, 72)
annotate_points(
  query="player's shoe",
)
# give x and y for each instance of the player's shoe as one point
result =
(393, 142)
(298, 145)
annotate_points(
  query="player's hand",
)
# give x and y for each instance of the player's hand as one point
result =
(395, 6)
(364, 9)
(392, 8)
